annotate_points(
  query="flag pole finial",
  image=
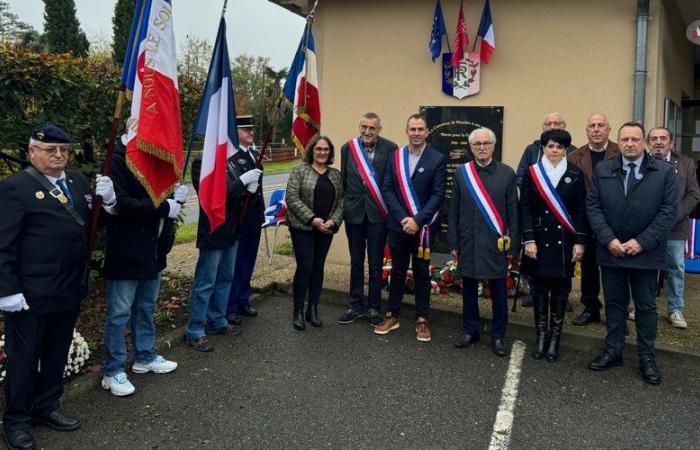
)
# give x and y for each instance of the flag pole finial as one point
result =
(223, 10)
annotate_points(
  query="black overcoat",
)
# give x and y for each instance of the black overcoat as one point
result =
(43, 250)
(467, 230)
(555, 243)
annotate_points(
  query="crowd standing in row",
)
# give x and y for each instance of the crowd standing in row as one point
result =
(619, 210)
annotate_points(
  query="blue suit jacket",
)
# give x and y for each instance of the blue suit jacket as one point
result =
(429, 184)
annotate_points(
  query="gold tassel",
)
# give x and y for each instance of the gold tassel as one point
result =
(426, 254)
(420, 251)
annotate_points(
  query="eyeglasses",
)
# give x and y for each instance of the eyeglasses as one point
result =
(658, 138)
(482, 144)
(64, 149)
(552, 124)
(322, 150)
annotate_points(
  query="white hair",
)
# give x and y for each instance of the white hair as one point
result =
(492, 135)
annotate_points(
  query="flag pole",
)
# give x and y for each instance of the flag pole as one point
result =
(188, 155)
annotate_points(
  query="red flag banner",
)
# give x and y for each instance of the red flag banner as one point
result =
(461, 39)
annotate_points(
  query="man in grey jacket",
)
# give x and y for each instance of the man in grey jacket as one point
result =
(660, 142)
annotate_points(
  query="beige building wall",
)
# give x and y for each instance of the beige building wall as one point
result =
(552, 55)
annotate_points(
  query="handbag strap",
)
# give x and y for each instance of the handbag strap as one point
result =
(55, 192)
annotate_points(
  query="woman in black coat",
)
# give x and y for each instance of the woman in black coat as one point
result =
(552, 223)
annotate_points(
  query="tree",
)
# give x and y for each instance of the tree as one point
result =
(121, 27)
(62, 28)
(11, 28)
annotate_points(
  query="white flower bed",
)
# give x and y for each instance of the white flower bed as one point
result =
(78, 354)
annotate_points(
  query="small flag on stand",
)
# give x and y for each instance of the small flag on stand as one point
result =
(461, 39)
(154, 151)
(439, 30)
(216, 121)
(486, 37)
(301, 89)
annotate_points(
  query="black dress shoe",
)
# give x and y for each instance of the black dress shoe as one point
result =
(650, 372)
(498, 347)
(312, 316)
(57, 421)
(248, 311)
(466, 340)
(605, 361)
(19, 440)
(234, 319)
(298, 322)
(585, 318)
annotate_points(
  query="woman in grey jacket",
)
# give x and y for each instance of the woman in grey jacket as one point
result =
(314, 213)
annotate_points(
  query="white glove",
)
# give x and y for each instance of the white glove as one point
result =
(253, 187)
(105, 189)
(180, 194)
(13, 303)
(174, 208)
(250, 176)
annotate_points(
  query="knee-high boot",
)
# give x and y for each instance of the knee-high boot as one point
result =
(540, 310)
(558, 309)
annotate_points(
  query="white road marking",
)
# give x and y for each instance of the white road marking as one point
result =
(502, 428)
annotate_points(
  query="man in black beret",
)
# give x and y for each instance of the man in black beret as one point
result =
(43, 254)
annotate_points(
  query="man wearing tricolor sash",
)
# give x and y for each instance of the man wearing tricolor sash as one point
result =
(363, 164)
(413, 189)
(554, 232)
(482, 231)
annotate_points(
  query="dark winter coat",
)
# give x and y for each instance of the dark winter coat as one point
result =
(554, 242)
(531, 155)
(468, 231)
(688, 194)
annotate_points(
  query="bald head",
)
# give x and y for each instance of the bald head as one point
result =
(597, 130)
(553, 121)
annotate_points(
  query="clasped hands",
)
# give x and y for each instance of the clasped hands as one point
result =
(409, 225)
(323, 227)
(631, 248)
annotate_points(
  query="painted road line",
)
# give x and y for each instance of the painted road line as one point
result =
(502, 428)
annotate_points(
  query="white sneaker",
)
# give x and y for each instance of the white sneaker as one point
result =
(118, 385)
(677, 320)
(158, 365)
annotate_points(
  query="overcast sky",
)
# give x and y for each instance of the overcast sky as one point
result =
(255, 27)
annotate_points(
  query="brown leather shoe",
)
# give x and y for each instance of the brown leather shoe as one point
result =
(422, 330)
(389, 323)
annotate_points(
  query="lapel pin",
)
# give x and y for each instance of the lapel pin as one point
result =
(567, 180)
(421, 170)
(39, 195)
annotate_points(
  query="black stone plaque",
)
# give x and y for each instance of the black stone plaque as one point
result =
(449, 127)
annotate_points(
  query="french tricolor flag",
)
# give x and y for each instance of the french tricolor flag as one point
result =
(216, 121)
(486, 35)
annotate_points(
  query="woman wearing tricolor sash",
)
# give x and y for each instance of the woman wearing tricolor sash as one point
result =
(482, 232)
(553, 224)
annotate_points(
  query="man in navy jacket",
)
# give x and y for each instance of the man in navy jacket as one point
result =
(423, 185)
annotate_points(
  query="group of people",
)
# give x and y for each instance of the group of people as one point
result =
(618, 210)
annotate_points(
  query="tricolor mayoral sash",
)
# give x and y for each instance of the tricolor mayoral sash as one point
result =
(410, 199)
(369, 176)
(550, 196)
(483, 200)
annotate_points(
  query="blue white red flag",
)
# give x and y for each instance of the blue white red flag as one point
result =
(486, 34)
(154, 150)
(276, 213)
(550, 196)
(301, 88)
(216, 121)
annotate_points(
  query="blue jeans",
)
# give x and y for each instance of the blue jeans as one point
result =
(210, 289)
(135, 300)
(675, 274)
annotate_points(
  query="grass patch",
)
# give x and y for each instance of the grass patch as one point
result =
(285, 248)
(284, 166)
(186, 232)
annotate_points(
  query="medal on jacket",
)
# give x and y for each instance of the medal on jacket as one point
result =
(410, 198)
(368, 175)
(59, 195)
(483, 201)
(550, 196)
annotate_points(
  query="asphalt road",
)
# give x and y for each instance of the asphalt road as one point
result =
(271, 182)
(344, 387)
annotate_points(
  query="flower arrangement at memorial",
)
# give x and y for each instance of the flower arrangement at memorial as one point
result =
(78, 354)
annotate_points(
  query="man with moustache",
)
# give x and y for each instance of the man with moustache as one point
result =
(599, 148)
(632, 205)
(414, 189)
(363, 164)
(660, 142)
(482, 231)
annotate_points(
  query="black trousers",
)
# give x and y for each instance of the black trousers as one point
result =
(372, 238)
(590, 279)
(551, 287)
(30, 387)
(404, 248)
(618, 283)
(310, 251)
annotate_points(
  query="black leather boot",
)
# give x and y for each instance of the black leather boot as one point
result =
(540, 310)
(299, 323)
(312, 316)
(558, 309)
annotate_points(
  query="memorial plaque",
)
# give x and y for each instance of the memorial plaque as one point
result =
(449, 128)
